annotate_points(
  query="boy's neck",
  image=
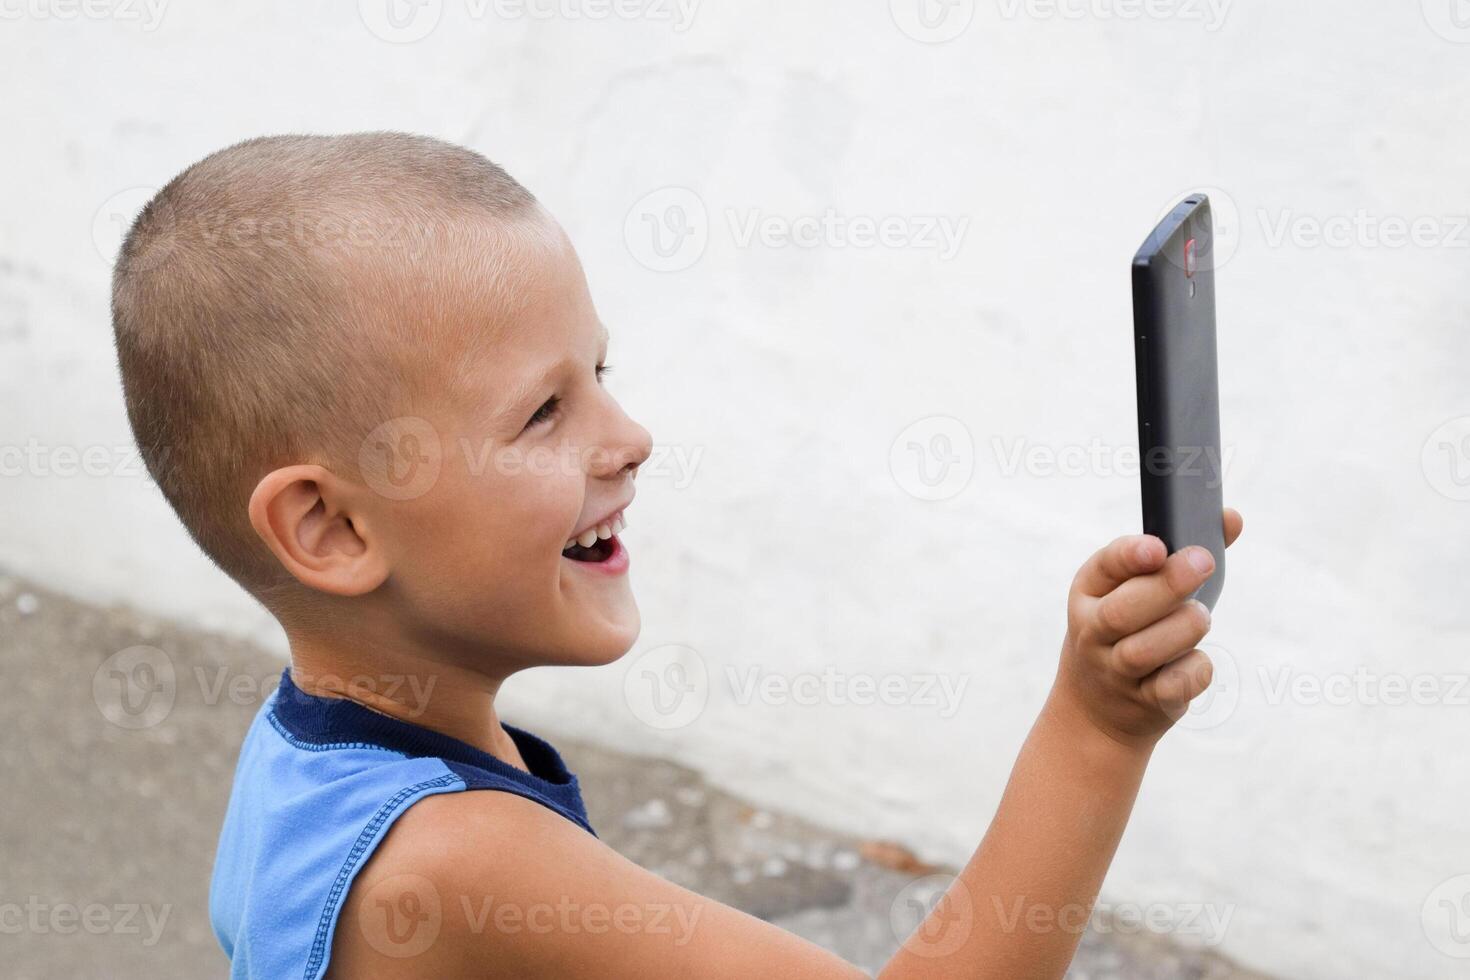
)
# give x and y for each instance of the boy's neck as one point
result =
(445, 698)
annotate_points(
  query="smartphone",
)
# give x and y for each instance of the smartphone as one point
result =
(1180, 463)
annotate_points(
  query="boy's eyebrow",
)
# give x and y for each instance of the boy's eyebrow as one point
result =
(523, 391)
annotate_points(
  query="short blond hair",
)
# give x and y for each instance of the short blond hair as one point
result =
(249, 333)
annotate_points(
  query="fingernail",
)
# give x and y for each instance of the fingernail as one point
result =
(1200, 559)
(1203, 608)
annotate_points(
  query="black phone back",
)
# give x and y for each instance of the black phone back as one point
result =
(1181, 465)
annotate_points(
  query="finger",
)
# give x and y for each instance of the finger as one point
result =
(1174, 685)
(1233, 525)
(1142, 601)
(1128, 556)
(1144, 652)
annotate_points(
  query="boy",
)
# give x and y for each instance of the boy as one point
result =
(302, 323)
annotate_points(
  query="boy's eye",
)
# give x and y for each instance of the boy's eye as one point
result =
(545, 412)
(548, 408)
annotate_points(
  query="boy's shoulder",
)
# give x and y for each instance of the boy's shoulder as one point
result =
(489, 885)
(463, 878)
(320, 784)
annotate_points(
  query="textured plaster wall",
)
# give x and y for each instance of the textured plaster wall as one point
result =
(858, 255)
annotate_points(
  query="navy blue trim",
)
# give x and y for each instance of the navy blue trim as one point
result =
(297, 743)
(359, 848)
(317, 723)
(478, 779)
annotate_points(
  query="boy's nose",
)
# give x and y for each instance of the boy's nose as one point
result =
(628, 449)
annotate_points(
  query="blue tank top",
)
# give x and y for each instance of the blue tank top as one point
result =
(318, 784)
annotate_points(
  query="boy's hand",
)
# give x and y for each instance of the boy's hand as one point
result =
(1129, 664)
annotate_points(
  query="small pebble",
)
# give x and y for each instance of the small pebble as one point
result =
(26, 603)
(651, 815)
(742, 876)
(761, 820)
(773, 867)
(164, 735)
(846, 860)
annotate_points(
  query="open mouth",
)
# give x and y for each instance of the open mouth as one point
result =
(596, 544)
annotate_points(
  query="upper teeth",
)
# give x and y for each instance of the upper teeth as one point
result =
(601, 532)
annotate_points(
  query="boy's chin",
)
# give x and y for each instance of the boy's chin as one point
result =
(605, 639)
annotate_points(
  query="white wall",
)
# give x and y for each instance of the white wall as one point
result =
(1322, 829)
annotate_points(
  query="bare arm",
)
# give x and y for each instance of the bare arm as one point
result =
(1128, 671)
(491, 885)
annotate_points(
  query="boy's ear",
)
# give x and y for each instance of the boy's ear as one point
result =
(310, 520)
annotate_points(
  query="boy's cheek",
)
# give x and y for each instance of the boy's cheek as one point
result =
(490, 529)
